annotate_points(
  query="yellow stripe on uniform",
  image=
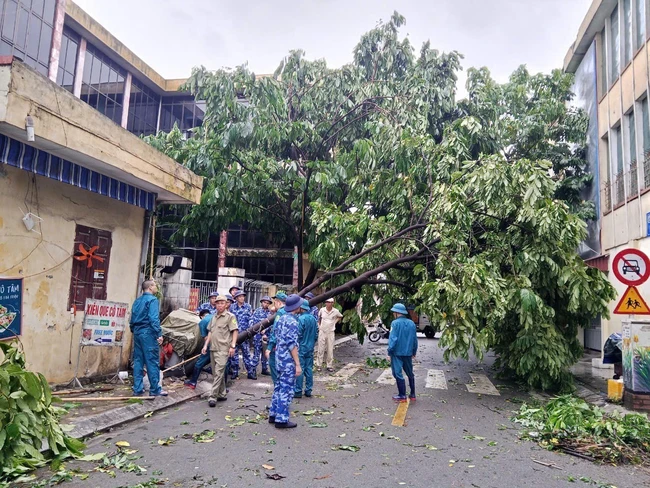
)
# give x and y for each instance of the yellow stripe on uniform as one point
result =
(400, 414)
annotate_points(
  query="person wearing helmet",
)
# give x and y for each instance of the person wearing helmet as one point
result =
(307, 335)
(287, 362)
(313, 310)
(261, 313)
(244, 313)
(402, 347)
(210, 304)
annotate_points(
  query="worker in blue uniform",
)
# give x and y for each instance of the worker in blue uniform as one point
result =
(279, 301)
(244, 313)
(287, 362)
(402, 348)
(307, 336)
(204, 359)
(262, 312)
(147, 338)
(313, 310)
(210, 304)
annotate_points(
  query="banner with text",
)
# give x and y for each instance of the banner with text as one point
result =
(104, 323)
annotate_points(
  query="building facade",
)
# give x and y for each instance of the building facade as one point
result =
(78, 186)
(611, 60)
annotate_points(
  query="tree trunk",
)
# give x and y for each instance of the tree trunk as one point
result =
(311, 276)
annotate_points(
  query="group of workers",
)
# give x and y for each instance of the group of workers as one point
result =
(285, 349)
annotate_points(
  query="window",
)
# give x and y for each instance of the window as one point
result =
(67, 60)
(627, 32)
(26, 31)
(102, 84)
(639, 13)
(273, 270)
(645, 124)
(617, 165)
(90, 265)
(602, 45)
(143, 110)
(183, 112)
(633, 181)
(614, 47)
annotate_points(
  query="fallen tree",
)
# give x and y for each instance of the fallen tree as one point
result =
(389, 186)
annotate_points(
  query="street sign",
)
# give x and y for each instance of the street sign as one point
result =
(631, 267)
(632, 303)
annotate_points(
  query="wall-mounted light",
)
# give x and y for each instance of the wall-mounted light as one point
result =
(29, 127)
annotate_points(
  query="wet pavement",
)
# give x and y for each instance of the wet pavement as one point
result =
(457, 434)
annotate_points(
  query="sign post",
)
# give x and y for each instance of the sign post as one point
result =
(103, 326)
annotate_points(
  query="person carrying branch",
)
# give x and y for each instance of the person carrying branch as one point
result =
(221, 339)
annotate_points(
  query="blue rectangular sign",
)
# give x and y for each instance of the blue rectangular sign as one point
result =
(11, 307)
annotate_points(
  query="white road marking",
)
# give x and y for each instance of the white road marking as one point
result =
(386, 378)
(436, 379)
(341, 375)
(481, 384)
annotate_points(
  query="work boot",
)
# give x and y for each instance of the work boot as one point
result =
(285, 425)
(412, 397)
(401, 388)
(399, 398)
(271, 419)
(212, 402)
(297, 395)
(308, 394)
(252, 376)
(266, 372)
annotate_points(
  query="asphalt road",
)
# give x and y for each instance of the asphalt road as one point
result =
(450, 438)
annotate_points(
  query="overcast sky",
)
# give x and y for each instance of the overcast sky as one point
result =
(172, 36)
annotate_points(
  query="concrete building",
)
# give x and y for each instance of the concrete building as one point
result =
(611, 60)
(74, 175)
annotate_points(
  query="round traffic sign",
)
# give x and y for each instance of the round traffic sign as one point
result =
(631, 267)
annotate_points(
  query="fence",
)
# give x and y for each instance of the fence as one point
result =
(255, 290)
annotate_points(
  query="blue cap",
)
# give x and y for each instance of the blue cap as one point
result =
(239, 293)
(309, 295)
(229, 297)
(266, 298)
(305, 305)
(399, 308)
(281, 296)
(293, 302)
(213, 293)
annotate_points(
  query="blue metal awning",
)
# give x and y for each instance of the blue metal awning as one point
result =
(20, 155)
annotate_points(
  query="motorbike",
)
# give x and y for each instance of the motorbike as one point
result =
(380, 332)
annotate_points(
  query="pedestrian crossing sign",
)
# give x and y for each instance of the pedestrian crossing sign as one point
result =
(632, 303)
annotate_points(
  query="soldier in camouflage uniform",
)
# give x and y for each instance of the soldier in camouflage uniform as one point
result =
(244, 313)
(287, 363)
(260, 314)
(280, 298)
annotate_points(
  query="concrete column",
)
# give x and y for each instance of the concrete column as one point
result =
(57, 35)
(223, 248)
(295, 266)
(79, 70)
(126, 99)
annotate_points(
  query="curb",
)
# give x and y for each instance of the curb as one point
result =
(344, 340)
(112, 418)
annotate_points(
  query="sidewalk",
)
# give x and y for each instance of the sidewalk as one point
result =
(591, 383)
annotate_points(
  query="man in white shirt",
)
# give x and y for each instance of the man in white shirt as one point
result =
(328, 317)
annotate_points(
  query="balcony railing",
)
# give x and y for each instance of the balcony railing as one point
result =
(632, 180)
(619, 188)
(606, 196)
(646, 170)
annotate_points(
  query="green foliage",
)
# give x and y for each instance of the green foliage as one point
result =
(336, 160)
(571, 424)
(27, 417)
(375, 362)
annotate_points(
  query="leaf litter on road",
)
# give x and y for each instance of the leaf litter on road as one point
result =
(341, 447)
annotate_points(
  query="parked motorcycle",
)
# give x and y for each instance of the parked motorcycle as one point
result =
(380, 332)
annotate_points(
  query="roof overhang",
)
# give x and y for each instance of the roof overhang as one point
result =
(592, 24)
(69, 128)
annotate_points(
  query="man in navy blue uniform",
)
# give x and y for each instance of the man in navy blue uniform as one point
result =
(402, 348)
(313, 310)
(204, 359)
(287, 363)
(307, 336)
(147, 338)
(244, 314)
(260, 314)
(210, 304)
